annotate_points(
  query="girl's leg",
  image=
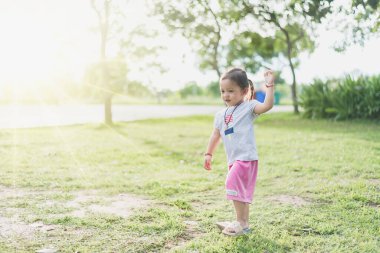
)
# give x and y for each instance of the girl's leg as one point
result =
(242, 213)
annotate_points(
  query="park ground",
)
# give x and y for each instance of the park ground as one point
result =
(140, 187)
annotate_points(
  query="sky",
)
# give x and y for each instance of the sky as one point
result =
(44, 40)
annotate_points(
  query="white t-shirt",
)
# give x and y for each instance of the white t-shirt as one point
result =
(241, 144)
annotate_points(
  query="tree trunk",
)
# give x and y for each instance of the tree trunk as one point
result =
(103, 18)
(273, 19)
(107, 109)
(215, 63)
(294, 88)
(103, 58)
(216, 66)
(294, 84)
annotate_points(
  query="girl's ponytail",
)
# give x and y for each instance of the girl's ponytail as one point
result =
(252, 90)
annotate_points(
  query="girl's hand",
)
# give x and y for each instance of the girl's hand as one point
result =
(207, 163)
(269, 77)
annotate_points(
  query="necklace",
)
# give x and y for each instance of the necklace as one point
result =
(230, 118)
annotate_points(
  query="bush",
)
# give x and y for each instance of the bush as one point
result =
(316, 100)
(191, 89)
(213, 89)
(344, 99)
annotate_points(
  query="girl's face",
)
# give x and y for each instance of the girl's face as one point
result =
(231, 92)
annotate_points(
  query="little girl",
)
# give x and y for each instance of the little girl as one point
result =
(235, 126)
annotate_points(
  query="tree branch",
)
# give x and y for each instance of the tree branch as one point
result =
(100, 18)
(298, 38)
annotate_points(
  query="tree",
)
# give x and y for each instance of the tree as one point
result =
(289, 22)
(199, 23)
(255, 31)
(103, 15)
(190, 89)
(111, 24)
(203, 23)
(116, 70)
(213, 89)
(367, 16)
(251, 50)
(361, 21)
(137, 89)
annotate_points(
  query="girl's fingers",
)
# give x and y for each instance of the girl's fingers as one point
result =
(207, 165)
(269, 76)
(269, 79)
(267, 72)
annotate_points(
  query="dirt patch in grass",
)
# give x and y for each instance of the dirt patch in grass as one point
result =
(290, 200)
(13, 227)
(374, 181)
(12, 192)
(84, 203)
(374, 205)
(122, 205)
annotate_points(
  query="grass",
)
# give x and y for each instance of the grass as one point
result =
(333, 166)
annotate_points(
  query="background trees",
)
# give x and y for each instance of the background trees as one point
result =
(110, 75)
(248, 33)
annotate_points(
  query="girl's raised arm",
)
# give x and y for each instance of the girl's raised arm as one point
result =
(269, 94)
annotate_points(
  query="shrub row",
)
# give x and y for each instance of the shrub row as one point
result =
(342, 99)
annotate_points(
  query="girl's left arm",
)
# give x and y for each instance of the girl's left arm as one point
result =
(269, 94)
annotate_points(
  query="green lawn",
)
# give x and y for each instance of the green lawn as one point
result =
(318, 187)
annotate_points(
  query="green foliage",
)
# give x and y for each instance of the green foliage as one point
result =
(250, 49)
(290, 25)
(344, 99)
(315, 9)
(137, 89)
(363, 23)
(213, 89)
(191, 89)
(198, 23)
(113, 83)
(316, 99)
(299, 38)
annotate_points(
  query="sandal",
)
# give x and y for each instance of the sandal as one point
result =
(247, 230)
(235, 229)
(222, 224)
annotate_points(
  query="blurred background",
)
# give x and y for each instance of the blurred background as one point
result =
(108, 52)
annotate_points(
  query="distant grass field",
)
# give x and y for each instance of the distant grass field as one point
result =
(318, 187)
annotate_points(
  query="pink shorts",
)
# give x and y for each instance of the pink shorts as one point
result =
(241, 180)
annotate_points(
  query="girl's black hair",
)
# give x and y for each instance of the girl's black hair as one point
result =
(239, 76)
